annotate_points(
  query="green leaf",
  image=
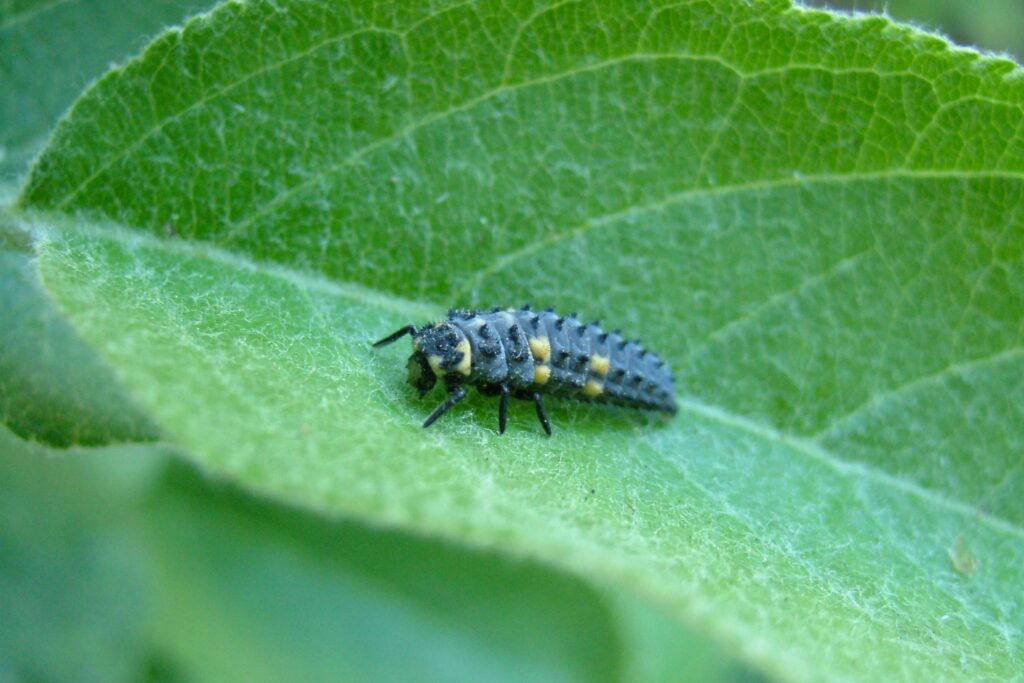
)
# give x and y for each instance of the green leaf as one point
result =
(53, 388)
(143, 572)
(255, 592)
(50, 49)
(813, 218)
(73, 582)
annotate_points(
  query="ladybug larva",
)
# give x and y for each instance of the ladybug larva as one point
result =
(523, 354)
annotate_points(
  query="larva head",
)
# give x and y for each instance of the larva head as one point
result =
(439, 350)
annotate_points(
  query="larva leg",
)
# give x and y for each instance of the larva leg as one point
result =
(503, 409)
(458, 393)
(541, 413)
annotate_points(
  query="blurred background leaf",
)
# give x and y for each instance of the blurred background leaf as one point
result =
(992, 25)
(124, 564)
(73, 589)
(51, 49)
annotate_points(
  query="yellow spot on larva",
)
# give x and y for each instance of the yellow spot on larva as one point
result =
(466, 364)
(600, 364)
(435, 365)
(541, 348)
(541, 374)
(593, 388)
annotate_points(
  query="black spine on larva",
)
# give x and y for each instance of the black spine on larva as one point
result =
(580, 361)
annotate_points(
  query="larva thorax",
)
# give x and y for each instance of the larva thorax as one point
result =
(439, 350)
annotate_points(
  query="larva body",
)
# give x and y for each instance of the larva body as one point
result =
(527, 354)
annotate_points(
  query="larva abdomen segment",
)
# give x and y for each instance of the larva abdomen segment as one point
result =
(559, 355)
(499, 347)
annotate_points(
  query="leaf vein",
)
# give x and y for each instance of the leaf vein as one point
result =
(815, 451)
(877, 400)
(725, 329)
(699, 193)
(212, 96)
(30, 13)
(514, 44)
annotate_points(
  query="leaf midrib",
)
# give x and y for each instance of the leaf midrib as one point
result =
(687, 404)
